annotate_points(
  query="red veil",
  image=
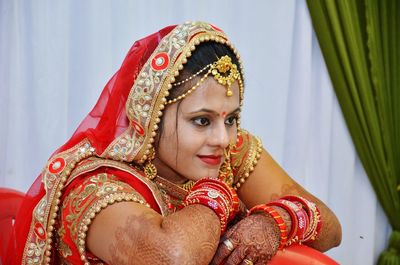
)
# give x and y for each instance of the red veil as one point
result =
(101, 126)
(115, 128)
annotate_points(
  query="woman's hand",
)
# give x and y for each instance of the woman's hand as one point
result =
(253, 240)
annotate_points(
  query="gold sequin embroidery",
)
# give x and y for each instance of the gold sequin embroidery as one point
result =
(85, 201)
(245, 156)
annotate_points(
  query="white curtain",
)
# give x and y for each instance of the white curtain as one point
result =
(57, 55)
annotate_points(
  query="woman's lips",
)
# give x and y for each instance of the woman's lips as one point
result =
(211, 159)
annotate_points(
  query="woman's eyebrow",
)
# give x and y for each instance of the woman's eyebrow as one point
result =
(235, 111)
(213, 111)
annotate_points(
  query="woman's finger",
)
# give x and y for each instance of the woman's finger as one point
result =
(225, 248)
(247, 261)
(252, 260)
(237, 256)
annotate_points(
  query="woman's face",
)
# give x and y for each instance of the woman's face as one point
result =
(196, 133)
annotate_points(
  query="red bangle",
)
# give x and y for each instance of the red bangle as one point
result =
(213, 205)
(317, 222)
(231, 197)
(314, 216)
(303, 221)
(300, 221)
(213, 195)
(292, 233)
(216, 184)
(216, 195)
(277, 218)
(224, 189)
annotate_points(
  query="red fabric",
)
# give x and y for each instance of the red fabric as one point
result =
(138, 185)
(10, 201)
(76, 205)
(102, 125)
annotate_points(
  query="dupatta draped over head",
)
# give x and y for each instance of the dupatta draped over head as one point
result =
(121, 127)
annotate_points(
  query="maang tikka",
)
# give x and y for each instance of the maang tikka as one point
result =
(225, 72)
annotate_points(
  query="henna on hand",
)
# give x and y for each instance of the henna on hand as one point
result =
(189, 236)
(255, 238)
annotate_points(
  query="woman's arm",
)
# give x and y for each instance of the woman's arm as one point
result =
(130, 233)
(269, 181)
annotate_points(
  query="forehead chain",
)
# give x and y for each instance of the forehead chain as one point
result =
(224, 71)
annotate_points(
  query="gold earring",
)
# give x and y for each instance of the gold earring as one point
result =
(225, 172)
(149, 168)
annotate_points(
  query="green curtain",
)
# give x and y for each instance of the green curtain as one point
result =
(360, 42)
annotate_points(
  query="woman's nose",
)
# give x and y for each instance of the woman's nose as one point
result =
(220, 136)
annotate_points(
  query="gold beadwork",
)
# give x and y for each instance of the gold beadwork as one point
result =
(254, 157)
(192, 76)
(95, 209)
(83, 152)
(224, 71)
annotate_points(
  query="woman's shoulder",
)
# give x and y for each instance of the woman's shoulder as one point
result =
(95, 185)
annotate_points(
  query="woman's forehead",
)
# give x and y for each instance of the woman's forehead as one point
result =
(212, 96)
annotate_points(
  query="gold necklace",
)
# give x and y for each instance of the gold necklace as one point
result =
(178, 191)
(187, 185)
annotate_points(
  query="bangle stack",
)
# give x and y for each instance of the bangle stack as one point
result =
(314, 216)
(300, 221)
(305, 219)
(216, 195)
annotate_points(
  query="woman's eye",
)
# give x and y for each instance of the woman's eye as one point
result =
(201, 121)
(231, 121)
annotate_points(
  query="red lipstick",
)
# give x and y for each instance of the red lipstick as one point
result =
(212, 160)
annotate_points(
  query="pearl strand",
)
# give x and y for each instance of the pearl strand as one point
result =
(190, 91)
(192, 76)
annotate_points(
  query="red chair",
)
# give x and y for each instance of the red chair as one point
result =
(10, 201)
(301, 255)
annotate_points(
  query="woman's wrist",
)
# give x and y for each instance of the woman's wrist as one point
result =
(216, 195)
(285, 216)
(278, 222)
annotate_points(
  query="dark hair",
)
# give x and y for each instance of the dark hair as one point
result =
(205, 53)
